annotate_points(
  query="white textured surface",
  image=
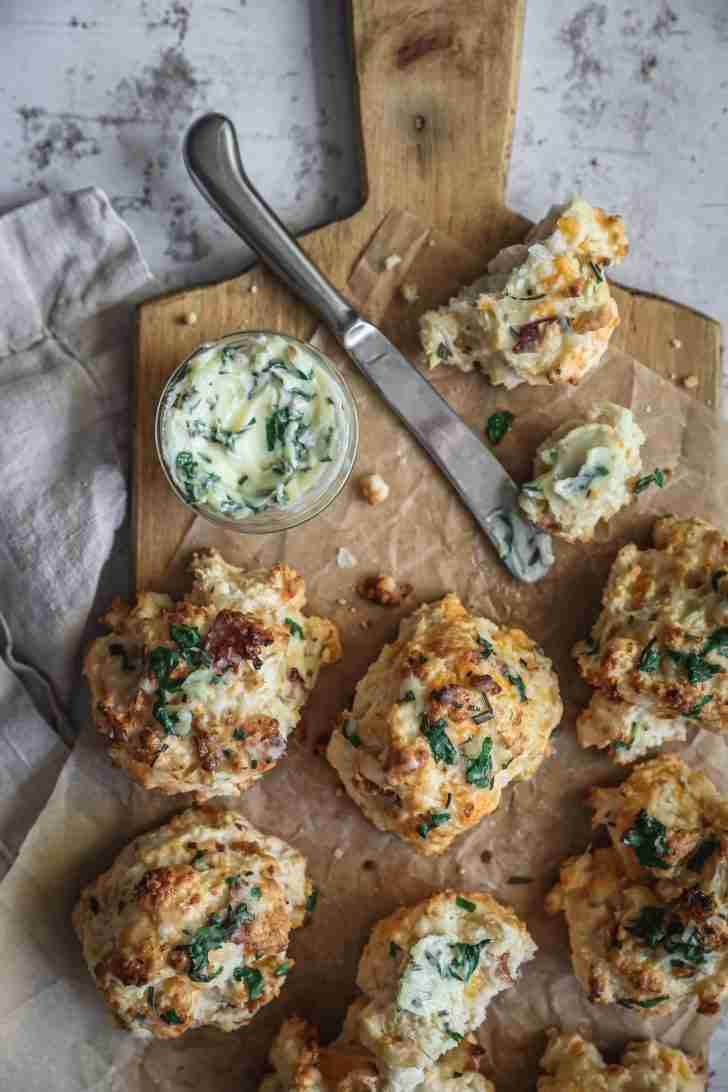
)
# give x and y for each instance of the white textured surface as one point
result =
(626, 102)
(99, 92)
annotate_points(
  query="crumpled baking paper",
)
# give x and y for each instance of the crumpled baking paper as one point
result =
(52, 1023)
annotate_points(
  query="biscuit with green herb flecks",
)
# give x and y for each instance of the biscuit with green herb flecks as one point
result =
(448, 715)
(190, 925)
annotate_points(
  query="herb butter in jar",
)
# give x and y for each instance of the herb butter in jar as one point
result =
(257, 431)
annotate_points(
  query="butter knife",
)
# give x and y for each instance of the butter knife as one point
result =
(212, 158)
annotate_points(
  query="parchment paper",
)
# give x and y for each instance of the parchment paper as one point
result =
(53, 1027)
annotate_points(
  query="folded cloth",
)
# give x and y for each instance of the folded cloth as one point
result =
(68, 269)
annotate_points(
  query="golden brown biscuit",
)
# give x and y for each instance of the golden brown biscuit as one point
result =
(190, 925)
(201, 695)
(584, 473)
(648, 919)
(301, 1065)
(428, 974)
(575, 1065)
(661, 640)
(447, 716)
(544, 312)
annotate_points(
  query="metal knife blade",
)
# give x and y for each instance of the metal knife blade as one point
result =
(212, 157)
(474, 473)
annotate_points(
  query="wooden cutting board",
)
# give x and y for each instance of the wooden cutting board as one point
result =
(437, 85)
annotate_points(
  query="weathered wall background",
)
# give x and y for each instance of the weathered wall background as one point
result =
(626, 102)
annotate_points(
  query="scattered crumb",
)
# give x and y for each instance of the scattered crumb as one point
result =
(410, 292)
(254, 288)
(691, 382)
(432, 243)
(383, 590)
(341, 602)
(345, 558)
(419, 122)
(338, 853)
(190, 319)
(352, 610)
(675, 343)
(648, 409)
(373, 488)
(392, 261)
(365, 624)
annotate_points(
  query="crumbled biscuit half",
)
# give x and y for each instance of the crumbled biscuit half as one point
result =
(584, 473)
(648, 918)
(190, 925)
(629, 732)
(202, 694)
(447, 716)
(428, 974)
(661, 640)
(574, 1064)
(544, 312)
(300, 1064)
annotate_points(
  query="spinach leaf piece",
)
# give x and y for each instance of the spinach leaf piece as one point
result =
(253, 979)
(648, 838)
(218, 930)
(465, 960)
(435, 732)
(694, 712)
(185, 637)
(486, 648)
(657, 477)
(650, 659)
(498, 425)
(465, 904)
(294, 627)
(435, 819)
(648, 1003)
(519, 685)
(479, 771)
(170, 1016)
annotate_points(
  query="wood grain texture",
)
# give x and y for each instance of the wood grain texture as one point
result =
(437, 83)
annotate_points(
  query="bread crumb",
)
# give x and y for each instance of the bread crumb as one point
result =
(675, 343)
(338, 853)
(432, 243)
(410, 292)
(190, 319)
(365, 624)
(373, 488)
(254, 288)
(691, 382)
(383, 590)
(352, 610)
(341, 602)
(345, 558)
(392, 261)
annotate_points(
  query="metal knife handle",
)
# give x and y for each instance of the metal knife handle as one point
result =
(212, 157)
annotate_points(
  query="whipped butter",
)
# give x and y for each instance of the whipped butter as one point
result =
(252, 424)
